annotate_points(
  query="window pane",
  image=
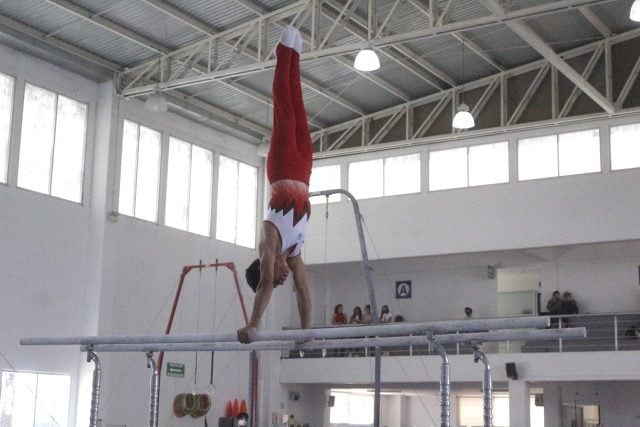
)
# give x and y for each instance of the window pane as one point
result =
(488, 164)
(366, 179)
(402, 175)
(6, 104)
(30, 399)
(625, 146)
(68, 157)
(247, 194)
(537, 157)
(325, 178)
(128, 167)
(176, 214)
(227, 200)
(36, 143)
(448, 169)
(579, 152)
(148, 176)
(52, 403)
(200, 192)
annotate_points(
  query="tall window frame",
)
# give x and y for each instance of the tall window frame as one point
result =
(140, 168)
(52, 144)
(189, 187)
(325, 177)
(7, 90)
(624, 146)
(236, 207)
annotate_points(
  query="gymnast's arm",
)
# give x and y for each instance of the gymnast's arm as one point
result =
(269, 244)
(301, 288)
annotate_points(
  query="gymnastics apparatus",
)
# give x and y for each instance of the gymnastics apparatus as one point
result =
(436, 334)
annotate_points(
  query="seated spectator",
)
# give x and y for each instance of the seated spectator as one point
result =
(385, 315)
(339, 317)
(356, 317)
(366, 316)
(468, 313)
(633, 332)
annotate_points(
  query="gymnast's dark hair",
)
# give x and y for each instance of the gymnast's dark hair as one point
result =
(253, 274)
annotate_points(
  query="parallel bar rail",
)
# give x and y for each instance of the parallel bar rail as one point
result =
(405, 328)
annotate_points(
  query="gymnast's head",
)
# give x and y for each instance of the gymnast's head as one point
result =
(280, 272)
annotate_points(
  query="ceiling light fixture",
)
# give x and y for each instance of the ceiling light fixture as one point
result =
(366, 60)
(463, 118)
(634, 14)
(156, 102)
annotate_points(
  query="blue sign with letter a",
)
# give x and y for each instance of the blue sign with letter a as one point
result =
(403, 289)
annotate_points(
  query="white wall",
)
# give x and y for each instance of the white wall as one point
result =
(597, 207)
(49, 247)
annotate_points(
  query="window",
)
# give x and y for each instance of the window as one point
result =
(6, 103)
(325, 178)
(469, 166)
(625, 146)
(31, 399)
(488, 164)
(140, 172)
(237, 199)
(189, 183)
(385, 177)
(559, 155)
(351, 409)
(52, 145)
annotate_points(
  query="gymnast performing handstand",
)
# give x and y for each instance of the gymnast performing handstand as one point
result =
(288, 169)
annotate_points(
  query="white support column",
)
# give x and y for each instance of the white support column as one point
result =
(552, 404)
(519, 411)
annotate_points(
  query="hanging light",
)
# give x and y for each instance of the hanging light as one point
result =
(634, 14)
(156, 102)
(463, 118)
(366, 60)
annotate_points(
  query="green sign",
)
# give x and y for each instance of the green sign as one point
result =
(175, 369)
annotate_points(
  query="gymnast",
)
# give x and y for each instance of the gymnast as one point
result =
(288, 169)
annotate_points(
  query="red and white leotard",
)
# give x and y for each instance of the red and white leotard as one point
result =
(290, 155)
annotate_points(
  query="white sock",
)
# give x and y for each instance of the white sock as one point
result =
(289, 36)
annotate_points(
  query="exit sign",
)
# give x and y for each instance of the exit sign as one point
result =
(175, 369)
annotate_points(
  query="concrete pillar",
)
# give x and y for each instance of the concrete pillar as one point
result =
(519, 414)
(552, 404)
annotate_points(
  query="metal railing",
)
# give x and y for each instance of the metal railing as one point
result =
(605, 332)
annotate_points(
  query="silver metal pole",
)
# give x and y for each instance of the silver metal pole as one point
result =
(404, 328)
(445, 387)
(252, 374)
(95, 388)
(487, 390)
(514, 335)
(153, 405)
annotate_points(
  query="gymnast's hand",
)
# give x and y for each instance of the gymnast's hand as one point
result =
(246, 334)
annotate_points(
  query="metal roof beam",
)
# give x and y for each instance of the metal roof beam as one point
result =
(595, 21)
(483, 82)
(359, 30)
(588, 70)
(535, 41)
(478, 50)
(58, 43)
(384, 41)
(111, 26)
(628, 84)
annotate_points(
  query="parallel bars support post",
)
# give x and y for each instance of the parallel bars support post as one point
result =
(155, 377)
(95, 388)
(445, 387)
(487, 390)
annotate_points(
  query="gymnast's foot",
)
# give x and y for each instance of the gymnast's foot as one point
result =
(291, 38)
(247, 334)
